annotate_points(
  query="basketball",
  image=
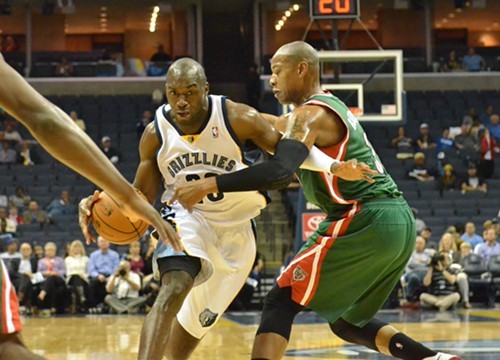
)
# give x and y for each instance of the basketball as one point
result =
(110, 223)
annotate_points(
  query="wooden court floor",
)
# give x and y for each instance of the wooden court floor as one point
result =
(473, 334)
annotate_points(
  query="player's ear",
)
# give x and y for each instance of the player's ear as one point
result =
(302, 68)
(207, 88)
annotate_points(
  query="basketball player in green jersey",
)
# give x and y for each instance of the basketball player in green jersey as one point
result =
(348, 267)
(59, 135)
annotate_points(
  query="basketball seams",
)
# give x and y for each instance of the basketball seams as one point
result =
(116, 234)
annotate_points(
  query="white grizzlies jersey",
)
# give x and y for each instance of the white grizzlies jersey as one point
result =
(214, 150)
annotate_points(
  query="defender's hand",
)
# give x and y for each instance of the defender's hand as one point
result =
(191, 193)
(351, 170)
(137, 207)
(85, 215)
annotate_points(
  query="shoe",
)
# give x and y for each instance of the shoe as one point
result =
(22, 310)
(467, 305)
(443, 356)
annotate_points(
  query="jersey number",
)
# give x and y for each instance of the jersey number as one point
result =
(376, 160)
(212, 197)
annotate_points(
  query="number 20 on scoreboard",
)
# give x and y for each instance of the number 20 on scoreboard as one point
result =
(333, 9)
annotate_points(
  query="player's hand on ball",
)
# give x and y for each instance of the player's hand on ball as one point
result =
(85, 215)
(351, 170)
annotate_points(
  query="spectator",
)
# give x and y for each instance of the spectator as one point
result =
(467, 144)
(7, 226)
(426, 233)
(424, 140)
(148, 256)
(77, 268)
(61, 206)
(123, 288)
(7, 155)
(403, 144)
(79, 122)
(38, 250)
(448, 181)
(64, 68)
(485, 117)
(27, 277)
(489, 247)
(10, 45)
(253, 87)
(20, 199)
(420, 171)
(447, 245)
(451, 64)
(470, 235)
(146, 118)
(416, 269)
(465, 250)
(441, 163)
(4, 200)
(494, 127)
(473, 182)
(445, 142)
(14, 216)
(34, 214)
(111, 153)
(27, 156)
(441, 281)
(472, 61)
(11, 252)
(487, 158)
(135, 259)
(10, 134)
(160, 55)
(53, 270)
(103, 263)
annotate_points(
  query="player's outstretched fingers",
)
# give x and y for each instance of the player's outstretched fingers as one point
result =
(168, 234)
(85, 216)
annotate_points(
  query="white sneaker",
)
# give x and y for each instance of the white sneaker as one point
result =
(443, 356)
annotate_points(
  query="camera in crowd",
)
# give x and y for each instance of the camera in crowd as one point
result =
(435, 259)
(122, 272)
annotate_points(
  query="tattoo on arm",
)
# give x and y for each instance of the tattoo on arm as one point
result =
(298, 129)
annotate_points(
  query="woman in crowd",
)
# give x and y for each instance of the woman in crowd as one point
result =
(77, 268)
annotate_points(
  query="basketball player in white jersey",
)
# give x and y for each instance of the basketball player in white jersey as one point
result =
(197, 136)
(59, 135)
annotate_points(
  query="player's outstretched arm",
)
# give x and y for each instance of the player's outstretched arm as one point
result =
(276, 173)
(62, 138)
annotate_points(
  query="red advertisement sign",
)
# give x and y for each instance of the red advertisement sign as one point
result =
(310, 222)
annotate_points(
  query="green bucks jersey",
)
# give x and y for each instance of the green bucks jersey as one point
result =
(336, 196)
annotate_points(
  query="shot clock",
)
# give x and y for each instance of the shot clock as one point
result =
(333, 9)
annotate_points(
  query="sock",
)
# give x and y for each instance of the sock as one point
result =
(402, 347)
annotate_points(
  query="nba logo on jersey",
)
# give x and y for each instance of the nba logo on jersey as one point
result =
(215, 132)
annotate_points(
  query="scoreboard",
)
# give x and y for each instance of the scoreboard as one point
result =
(333, 9)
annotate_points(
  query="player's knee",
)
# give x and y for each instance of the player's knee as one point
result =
(279, 312)
(174, 289)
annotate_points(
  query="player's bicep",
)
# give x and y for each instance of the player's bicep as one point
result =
(301, 125)
(148, 176)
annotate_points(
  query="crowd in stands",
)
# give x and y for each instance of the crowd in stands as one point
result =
(76, 283)
(459, 267)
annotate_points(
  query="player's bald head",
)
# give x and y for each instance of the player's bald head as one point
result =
(298, 51)
(188, 69)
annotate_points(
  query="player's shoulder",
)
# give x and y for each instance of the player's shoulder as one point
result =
(240, 113)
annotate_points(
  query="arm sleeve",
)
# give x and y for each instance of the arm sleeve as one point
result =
(273, 174)
(318, 161)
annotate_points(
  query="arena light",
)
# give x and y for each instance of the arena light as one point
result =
(296, 7)
(288, 13)
(154, 18)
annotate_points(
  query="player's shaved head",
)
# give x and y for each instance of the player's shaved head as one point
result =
(298, 51)
(187, 68)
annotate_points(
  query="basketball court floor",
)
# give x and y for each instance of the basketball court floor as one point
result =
(473, 334)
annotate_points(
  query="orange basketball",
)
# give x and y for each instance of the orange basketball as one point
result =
(112, 224)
